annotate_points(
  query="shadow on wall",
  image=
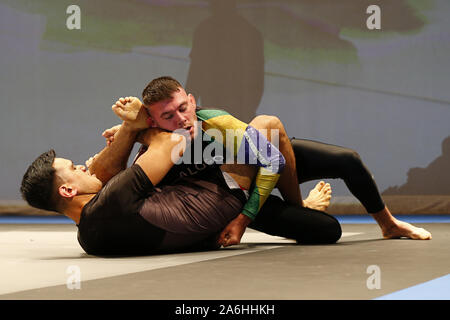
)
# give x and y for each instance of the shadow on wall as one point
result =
(230, 39)
(227, 62)
(229, 47)
(432, 180)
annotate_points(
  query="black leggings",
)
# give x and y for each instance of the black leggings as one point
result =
(317, 160)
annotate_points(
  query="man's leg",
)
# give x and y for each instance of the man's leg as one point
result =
(317, 160)
(288, 183)
(282, 218)
(305, 225)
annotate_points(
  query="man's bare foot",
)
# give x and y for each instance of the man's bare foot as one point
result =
(402, 229)
(319, 197)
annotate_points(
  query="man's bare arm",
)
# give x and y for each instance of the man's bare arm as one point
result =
(114, 157)
(164, 150)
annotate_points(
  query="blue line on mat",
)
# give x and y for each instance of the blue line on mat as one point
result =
(35, 220)
(343, 219)
(363, 219)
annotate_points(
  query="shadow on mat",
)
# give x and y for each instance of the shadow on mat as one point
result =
(351, 242)
(243, 246)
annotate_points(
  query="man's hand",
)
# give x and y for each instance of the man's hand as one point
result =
(132, 112)
(233, 232)
(88, 162)
(108, 134)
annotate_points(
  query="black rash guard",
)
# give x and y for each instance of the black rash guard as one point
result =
(110, 222)
(130, 216)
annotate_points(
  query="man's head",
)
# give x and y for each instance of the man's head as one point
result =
(50, 183)
(169, 105)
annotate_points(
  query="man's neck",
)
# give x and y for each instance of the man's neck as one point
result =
(73, 210)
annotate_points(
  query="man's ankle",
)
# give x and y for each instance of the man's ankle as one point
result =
(385, 219)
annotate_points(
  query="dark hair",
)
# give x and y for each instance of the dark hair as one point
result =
(37, 182)
(160, 89)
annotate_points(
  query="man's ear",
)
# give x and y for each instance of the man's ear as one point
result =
(192, 99)
(67, 191)
(150, 122)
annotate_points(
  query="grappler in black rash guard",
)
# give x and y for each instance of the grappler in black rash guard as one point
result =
(107, 213)
(122, 212)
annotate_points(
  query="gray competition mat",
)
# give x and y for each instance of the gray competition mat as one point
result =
(46, 262)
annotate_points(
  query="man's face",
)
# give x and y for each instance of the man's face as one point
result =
(76, 177)
(175, 113)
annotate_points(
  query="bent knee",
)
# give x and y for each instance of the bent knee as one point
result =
(266, 122)
(354, 155)
(330, 232)
(351, 159)
(335, 232)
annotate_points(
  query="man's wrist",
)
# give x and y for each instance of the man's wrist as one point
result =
(244, 220)
(128, 127)
(249, 213)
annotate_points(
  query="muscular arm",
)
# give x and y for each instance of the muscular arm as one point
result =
(114, 157)
(164, 150)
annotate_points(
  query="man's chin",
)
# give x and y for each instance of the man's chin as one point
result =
(191, 132)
